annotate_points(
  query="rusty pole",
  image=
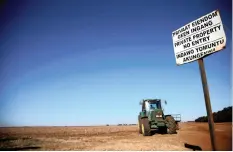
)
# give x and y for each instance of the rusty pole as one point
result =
(207, 103)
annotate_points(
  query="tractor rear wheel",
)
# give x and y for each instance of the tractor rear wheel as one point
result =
(139, 125)
(171, 129)
(145, 127)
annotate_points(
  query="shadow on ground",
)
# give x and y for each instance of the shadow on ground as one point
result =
(6, 139)
(160, 133)
(19, 148)
(193, 147)
(11, 144)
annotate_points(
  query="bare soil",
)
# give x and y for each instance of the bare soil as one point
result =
(113, 138)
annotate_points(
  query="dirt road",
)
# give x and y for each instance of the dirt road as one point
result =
(112, 138)
(198, 134)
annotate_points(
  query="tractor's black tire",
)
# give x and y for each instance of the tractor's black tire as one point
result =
(139, 125)
(171, 129)
(145, 127)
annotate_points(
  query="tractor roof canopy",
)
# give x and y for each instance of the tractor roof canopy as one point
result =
(157, 102)
(152, 100)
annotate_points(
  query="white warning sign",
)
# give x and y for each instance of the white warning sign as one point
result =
(199, 38)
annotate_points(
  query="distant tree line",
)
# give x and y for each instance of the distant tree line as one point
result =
(126, 124)
(123, 124)
(224, 115)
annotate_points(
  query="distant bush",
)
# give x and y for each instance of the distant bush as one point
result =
(224, 115)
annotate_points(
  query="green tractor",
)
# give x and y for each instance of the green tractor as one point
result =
(152, 118)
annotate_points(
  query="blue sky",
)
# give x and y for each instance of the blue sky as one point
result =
(91, 62)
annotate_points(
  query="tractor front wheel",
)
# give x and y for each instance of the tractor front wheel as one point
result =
(145, 127)
(171, 129)
(139, 125)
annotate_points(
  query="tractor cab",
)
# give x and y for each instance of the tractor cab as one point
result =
(152, 108)
(151, 104)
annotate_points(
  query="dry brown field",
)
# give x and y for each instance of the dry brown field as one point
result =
(113, 138)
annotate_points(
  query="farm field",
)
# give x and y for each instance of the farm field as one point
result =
(113, 138)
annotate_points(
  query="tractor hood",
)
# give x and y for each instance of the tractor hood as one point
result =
(157, 111)
(155, 114)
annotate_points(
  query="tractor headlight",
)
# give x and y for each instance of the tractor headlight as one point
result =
(159, 116)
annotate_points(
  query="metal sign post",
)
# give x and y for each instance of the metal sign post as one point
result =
(195, 41)
(207, 102)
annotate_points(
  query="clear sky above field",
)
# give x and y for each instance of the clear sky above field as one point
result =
(91, 62)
